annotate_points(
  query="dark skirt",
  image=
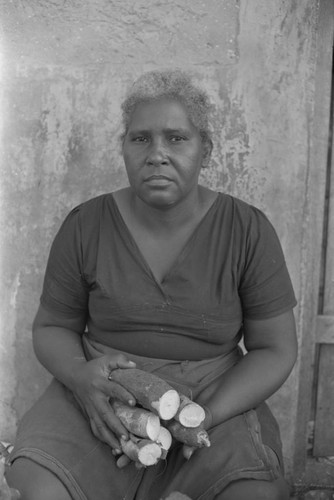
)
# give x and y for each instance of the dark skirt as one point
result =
(56, 435)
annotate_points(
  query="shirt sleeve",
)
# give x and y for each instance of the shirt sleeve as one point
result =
(65, 291)
(265, 287)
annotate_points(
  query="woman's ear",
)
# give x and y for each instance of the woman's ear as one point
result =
(207, 147)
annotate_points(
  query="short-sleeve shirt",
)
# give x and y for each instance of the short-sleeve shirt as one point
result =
(231, 268)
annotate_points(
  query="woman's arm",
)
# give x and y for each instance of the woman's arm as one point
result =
(271, 346)
(57, 344)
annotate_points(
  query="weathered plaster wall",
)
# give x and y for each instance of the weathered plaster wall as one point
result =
(65, 69)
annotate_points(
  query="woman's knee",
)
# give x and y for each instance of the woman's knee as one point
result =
(249, 489)
(34, 482)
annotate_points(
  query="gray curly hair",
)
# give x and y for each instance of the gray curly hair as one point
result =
(173, 84)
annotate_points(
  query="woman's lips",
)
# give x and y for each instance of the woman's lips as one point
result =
(159, 180)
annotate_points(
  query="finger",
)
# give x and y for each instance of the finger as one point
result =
(188, 451)
(123, 362)
(138, 465)
(116, 391)
(119, 361)
(123, 461)
(116, 452)
(107, 415)
(102, 433)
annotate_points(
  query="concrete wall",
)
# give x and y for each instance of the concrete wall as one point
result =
(65, 68)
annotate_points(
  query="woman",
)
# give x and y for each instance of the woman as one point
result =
(168, 276)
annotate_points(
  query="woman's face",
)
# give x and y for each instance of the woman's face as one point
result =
(163, 153)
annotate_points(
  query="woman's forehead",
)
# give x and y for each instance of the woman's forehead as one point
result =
(161, 113)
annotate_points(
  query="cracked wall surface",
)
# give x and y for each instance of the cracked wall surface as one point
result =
(65, 68)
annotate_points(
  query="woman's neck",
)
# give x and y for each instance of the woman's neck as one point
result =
(170, 217)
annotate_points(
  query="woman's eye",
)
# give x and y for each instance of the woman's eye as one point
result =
(177, 138)
(140, 138)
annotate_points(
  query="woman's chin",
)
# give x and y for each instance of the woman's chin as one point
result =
(159, 199)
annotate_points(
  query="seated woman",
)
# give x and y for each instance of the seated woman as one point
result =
(168, 276)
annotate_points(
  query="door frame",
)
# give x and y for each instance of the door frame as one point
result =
(306, 469)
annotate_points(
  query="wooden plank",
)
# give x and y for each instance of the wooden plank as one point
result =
(323, 445)
(319, 473)
(328, 306)
(325, 330)
(312, 237)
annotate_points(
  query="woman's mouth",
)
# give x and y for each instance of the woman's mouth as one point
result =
(158, 180)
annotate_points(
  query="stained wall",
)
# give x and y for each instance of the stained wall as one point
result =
(65, 68)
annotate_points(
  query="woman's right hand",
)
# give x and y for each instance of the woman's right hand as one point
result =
(58, 346)
(92, 390)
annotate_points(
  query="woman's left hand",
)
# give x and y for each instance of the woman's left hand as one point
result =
(271, 346)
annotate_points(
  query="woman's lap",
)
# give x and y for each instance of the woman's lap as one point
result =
(55, 434)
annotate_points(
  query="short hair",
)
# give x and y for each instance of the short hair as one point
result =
(173, 84)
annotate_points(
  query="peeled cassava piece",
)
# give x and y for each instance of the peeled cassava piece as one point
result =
(138, 421)
(164, 439)
(189, 414)
(143, 451)
(150, 391)
(196, 436)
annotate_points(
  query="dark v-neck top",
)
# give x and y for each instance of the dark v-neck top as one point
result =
(232, 267)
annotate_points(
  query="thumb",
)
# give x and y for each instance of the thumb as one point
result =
(121, 362)
(188, 451)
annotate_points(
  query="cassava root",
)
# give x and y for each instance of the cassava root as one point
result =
(144, 451)
(189, 414)
(138, 421)
(149, 440)
(164, 440)
(151, 392)
(196, 436)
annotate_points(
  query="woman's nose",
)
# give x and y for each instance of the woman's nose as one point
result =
(157, 154)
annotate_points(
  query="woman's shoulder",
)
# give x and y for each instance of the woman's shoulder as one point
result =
(240, 209)
(85, 215)
(92, 208)
(103, 200)
(246, 221)
(93, 204)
